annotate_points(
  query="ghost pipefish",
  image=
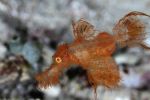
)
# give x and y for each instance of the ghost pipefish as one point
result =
(94, 52)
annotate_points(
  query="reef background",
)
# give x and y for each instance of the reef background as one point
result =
(30, 31)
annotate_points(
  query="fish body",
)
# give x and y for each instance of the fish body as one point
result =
(94, 52)
(102, 45)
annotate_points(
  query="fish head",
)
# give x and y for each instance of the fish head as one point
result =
(61, 60)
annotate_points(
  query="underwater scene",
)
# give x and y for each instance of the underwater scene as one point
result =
(74, 50)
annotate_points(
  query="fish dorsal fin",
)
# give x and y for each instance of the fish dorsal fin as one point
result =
(83, 29)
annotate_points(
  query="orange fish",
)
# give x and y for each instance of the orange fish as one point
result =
(93, 52)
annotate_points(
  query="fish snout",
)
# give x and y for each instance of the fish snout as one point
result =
(48, 77)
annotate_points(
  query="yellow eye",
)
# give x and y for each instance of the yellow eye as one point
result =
(58, 59)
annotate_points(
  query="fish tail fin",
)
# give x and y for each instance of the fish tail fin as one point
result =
(133, 29)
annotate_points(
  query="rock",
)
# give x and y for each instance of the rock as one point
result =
(47, 54)
(145, 80)
(15, 44)
(52, 92)
(130, 59)
(31, 53)
(4, 31)
(131, 79)
(29, 49)
(119, 94)
(145, 96)
(3, 51)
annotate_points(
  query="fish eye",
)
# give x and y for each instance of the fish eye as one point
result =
(58, 59)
